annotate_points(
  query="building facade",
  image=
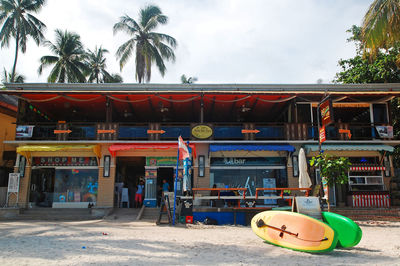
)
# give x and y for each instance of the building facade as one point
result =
(86, 143)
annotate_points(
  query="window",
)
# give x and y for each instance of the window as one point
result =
(76, 185)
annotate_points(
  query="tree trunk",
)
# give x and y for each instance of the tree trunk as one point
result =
(16, 57)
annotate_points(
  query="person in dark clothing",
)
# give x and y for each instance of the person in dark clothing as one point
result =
(213, 193)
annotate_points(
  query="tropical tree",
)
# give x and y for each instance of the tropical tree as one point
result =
(20, 24)
(68, 59)
(188, 80)
(96, 64)
(7, 78)
(149, 46)
(383, 68)
(381, 25)
(115, 78)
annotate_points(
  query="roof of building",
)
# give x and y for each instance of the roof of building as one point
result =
(376, 88)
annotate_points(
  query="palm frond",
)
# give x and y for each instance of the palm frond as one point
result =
(126, 24)
(163, 37)
(147, 13)
(124, 52)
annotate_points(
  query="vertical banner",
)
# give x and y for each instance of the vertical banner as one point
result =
(322, 134)
(326, 111)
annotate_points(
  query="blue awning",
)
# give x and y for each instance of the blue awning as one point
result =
(251, 147)
(350, 147)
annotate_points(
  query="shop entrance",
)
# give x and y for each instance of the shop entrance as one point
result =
(130, 170)
(166, 173)
(42, 187)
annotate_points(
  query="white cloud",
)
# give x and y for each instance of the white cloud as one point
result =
(224, 41)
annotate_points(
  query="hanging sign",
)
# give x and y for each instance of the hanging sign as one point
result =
(322, 134)
(326, 111)
(13, 183)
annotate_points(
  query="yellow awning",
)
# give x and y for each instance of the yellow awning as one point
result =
(27, 149)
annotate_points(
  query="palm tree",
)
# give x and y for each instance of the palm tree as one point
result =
(188, 80)
(68, 59)
(149, 46)
(115, 78)
(381, 25)
(20, 24)
(96, 64)
(7, 77)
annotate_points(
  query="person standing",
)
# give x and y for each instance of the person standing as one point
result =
(139, 194)
(165, 187)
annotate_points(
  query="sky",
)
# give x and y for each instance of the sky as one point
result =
(219, 41)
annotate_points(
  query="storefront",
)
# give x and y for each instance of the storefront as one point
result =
(63, 181)
(368, 175)
(160, 163)
(249, 166)
(58, 176)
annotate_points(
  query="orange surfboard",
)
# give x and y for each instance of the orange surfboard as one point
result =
(294, 231)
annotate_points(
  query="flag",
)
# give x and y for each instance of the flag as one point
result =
(183, 149)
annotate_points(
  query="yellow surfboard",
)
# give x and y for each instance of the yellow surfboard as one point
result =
(294, 231)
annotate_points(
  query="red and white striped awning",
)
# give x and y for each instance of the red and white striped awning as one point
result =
(367, 168)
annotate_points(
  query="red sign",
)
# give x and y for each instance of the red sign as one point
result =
(250, 131)
(326, 111)
(150, 131)
(322, 134)
(105, 131)
(345, 131)
(62, 131)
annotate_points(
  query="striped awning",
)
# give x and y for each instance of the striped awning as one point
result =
(367, 168)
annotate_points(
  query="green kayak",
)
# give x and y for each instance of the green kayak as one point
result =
(349, 232)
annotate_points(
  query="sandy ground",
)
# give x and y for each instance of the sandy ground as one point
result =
(127, 242)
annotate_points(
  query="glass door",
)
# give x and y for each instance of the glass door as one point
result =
(42, 187)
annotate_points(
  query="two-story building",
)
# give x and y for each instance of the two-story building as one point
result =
(77, 143)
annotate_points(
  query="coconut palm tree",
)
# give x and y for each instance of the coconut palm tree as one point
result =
(68, 59)
(20, 24)
(115, 78)
(96, 64)
(188, 80)
(381, 25)
(149, 46)
(7, 77)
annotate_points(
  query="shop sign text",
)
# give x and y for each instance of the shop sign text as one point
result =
(65, 161)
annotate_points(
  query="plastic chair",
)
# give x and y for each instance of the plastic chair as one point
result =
(124, 197)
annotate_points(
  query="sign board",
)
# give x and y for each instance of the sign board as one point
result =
(24, 131)
(326, 111)
(385, 131)
(161, 161)
(65, 161)
(13, 183)
(202, 131)
(307, 205)
(322, 134)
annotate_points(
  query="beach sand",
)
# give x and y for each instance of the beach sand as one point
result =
(123, 241)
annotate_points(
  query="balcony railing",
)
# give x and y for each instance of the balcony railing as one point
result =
(221, 131)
